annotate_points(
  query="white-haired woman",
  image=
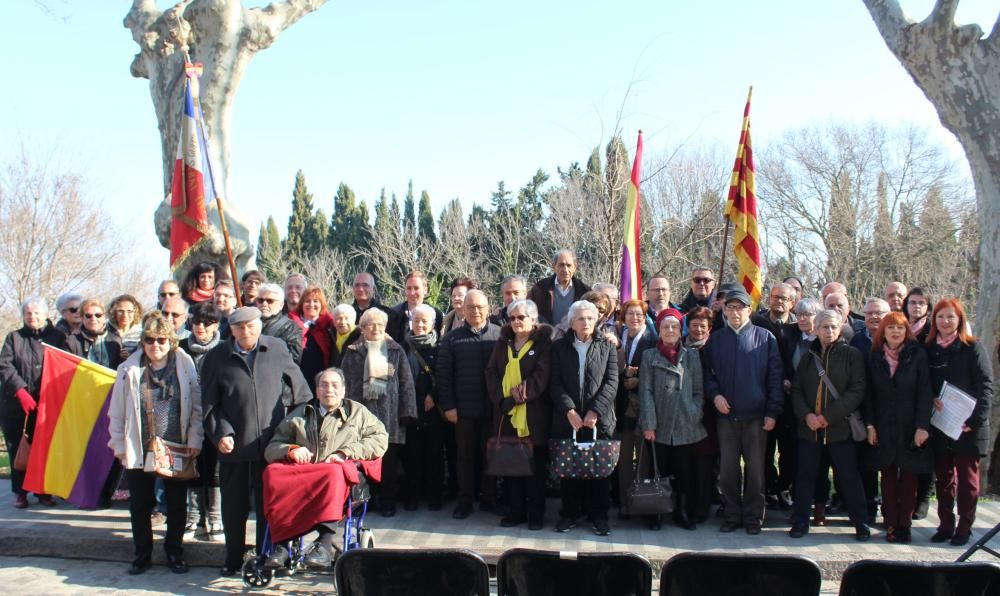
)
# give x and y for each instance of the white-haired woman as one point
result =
(829, 386)
(378, 375)
(424, 451)
(21, 378)
(583, 386)
(344, 332)
(156, 393)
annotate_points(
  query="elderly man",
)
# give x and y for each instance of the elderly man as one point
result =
(224, 300)
(513, 287)
(70, 320)
(271, 300)
(401, 315)
(895, 295)
(168, 289)
(796, 285)
(840, 303)
(658, 296)
(242, 387)
(702, 288)
(295, 284)
(555, 294)
(250, 284)
(744, 383)
(365, 295)
(175, 309)
(326, 429)
(461, 383)
(855, 320)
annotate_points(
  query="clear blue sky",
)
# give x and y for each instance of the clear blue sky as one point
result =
(456, 95)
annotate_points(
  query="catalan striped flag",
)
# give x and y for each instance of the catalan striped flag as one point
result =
(189, 195)
(741, 210)
(70, 457)
(631, 270)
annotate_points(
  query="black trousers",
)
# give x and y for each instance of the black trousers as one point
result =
(12, 425)
(423, 461)
(388, 489)
(782, 443)
(470, 438)
(678, 461)
(844, 456)
(240, 480)
(142, 500)
(527, 493)
(592, 497)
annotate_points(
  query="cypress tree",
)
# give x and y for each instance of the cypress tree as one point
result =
(300, 221)
(426, 219)
(409, 209)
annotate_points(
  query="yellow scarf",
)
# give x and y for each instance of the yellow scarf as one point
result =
(511, 379)
(342, 339)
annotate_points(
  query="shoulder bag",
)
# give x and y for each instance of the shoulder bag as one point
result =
(164, 458)
(858, 431)
(649, 496)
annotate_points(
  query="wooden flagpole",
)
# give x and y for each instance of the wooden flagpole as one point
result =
(725, 243)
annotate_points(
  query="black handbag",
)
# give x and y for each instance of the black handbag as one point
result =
(649, 496)
(509, 456)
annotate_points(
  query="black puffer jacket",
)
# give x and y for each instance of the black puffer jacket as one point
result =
(286, 330)
(600, 384)
(968, 367)
(461, 370)
(897, 406)
(21, 363)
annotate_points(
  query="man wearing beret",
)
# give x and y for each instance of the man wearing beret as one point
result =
(241, 387)
(744, 382)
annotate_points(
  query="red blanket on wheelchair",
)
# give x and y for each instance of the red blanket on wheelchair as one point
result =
(299, 496)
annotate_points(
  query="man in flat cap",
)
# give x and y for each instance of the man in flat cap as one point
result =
(241, 387)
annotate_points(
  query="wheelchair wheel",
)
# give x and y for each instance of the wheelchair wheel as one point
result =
(366, 539)
(255, 575)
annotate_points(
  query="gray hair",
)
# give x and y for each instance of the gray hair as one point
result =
(698, 268)
(426, 309)
(783, 286)
(561, 252)
(879, 302)
(346, 309)
(64, 300)
(601, 286)
(270, 288)
(334, 370)
(807, 306)
(294, 274)
(529, 306)
(828, 315)
(579, 307)
(36, 301)
(373, 313)
(475, 291)
(513, 278)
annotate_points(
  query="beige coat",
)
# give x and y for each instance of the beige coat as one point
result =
(125, 412)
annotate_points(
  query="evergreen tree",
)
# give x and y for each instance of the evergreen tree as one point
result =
(319, 230)
(426, 218)
(268, 248)
(409, 209)
(300, 221)
(349, 225)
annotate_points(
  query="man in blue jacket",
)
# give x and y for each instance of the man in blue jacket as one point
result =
(744, 382)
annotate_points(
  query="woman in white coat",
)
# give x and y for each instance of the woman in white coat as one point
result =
(156, 393)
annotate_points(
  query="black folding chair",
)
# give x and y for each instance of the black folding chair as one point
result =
(526, 572)
(982, 544)
(390, 572)
(730, 574)
(910, 578)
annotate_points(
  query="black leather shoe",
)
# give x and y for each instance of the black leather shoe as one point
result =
(655, 524)
(388, 511)
(960, 539)
(509, 521)
(728, 527)
(601, 527)
(462, 511)
(139, 566)
(753, 529)
(228, 571)
(862, 533)
(535, 523)
(798, 531)
(565, 524)
(942, 535)
(176, 564)
(278, 557)
(319, 556)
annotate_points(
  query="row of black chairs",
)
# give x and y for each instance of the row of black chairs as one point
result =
(525, 572)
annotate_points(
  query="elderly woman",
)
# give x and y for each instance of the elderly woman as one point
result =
(424, 451)
(706, 451)
(378, 375)
(199, 283)
(313, 315)
(94, 342)
(636, 338)
(829, 386)
(898, 411)
(343, 333)
(606, 315)
(156, 394)
(459, 288)
(21, 376)
(583, 386)
(125, 322)
(670, 411)
(517, 379)
(958, 358)
(204, 513)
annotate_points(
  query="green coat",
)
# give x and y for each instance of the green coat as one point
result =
(352, 431)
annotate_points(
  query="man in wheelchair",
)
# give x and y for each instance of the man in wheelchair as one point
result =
(326, 430)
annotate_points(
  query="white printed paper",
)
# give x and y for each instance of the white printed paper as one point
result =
(958, 406)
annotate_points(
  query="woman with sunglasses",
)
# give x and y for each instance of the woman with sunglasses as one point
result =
(157, 394)
(93, 341)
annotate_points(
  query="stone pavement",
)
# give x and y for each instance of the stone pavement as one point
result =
(66, 532)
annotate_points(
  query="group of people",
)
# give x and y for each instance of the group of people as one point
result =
(745, 409)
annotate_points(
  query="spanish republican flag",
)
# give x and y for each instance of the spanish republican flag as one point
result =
(741, 210)
(70, 457)
(188, 191)
(631, 271)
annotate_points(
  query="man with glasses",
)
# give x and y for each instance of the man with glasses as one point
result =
(295, 285)
(168, 289)
(744, 383)
(224, 301)
(895, 295)
(175, 309)
(68, 306)
(247, 385)
(270, 301)
(250, 284)
(657, 297)
(461, 383)
(702, 288)
(93, 342)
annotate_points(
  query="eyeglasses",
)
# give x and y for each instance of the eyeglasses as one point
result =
(781, 299)
(476, 306)
(252, 282)
(266, 300)
(169, 294)
(73, 309)
(519, 317)
(174, 315)
(205, 322)
(155, 340)
(702, 280)
(734, 306)
(93, 315)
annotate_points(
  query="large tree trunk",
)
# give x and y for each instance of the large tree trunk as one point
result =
(959, 71)
(223, 36)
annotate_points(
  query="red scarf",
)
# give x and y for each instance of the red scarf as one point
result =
(200, 295)
(944, 342)
(671, 353)
(892, 358)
